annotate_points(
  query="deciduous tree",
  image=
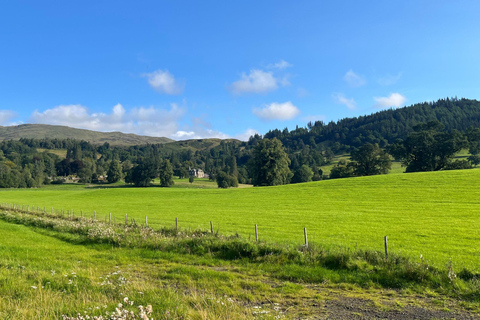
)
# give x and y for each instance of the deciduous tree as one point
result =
(370, 160)
(429, 148)
(303, 174)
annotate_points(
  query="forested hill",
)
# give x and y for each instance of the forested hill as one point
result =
(382, 127)
(41, 131)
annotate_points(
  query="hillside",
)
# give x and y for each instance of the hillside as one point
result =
(40, 131)
(382, 127)
(434, 213)
(197, 144)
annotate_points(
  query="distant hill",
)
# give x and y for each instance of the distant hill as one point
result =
(40, 131)
(197, 144)
(382, 127)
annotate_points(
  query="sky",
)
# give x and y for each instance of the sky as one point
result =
(229, 69)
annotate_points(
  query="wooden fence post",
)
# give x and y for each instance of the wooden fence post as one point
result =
(146, 222)
(306, 239)
(386, 247)
(256, 233)
(211, 227)
(110, 218)
(126, 219)
(176, 223)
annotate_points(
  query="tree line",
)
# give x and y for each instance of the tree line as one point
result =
(424, 137)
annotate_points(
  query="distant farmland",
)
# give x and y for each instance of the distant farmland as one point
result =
(436, 215)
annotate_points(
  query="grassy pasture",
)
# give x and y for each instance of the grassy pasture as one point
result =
(62, 153)
(431, 214)
(53, 268)
(43, 277)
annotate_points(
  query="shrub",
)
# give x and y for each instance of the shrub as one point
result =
(226, 181)
(458, 164)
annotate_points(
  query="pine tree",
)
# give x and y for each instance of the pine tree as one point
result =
(270, 163)
(166, 173)
(114, 173)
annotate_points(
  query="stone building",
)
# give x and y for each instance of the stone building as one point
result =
(197, 173)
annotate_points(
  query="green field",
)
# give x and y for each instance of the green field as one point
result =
(50, 270)
(431, 214)
(44, 277)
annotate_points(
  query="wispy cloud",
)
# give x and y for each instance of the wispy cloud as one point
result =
(164, 82)
(302, 92)
(354, 80)
(277, 111)
(282, 64)
(340, 98)
(199, 134)
(246, 135)
(6, 116)
(389, 80)
(395, 100)
(314, 117)
(257, 81)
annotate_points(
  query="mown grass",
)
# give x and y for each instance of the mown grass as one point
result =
(429, 214)
(65, 266)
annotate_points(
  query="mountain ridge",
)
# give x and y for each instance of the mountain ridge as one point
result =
(40, 131)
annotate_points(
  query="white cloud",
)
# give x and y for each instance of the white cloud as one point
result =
(341, 99)
(354, 80)
(246, 135)
(282, 64)
(388, 80)
(277, 111)
(184, 135)
(394, 100)
(199, 134)
(257, 81)
(6, 116)
(164, 82)
(149, 121)
(200, 128)
(144, 121)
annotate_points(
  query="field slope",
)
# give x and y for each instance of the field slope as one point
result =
(435, 215)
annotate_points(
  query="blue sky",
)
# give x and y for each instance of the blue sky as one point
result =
(197, 69)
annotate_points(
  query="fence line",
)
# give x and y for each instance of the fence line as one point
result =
(71, 216)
